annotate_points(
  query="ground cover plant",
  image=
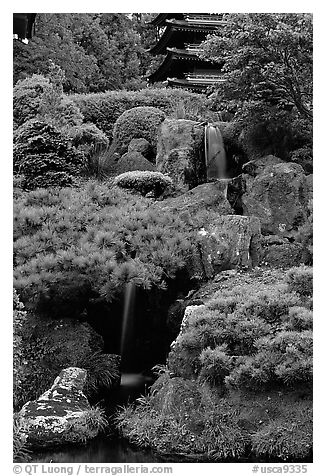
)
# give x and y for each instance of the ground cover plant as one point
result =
(97, 235)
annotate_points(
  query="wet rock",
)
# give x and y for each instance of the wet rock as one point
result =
(59, 416)
(278, 196)
(180, 152)
(230, 241)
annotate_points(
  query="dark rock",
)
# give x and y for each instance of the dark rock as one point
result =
(59, 416)
(180, 152)
(209, 196)
(55, 345)
(278, 196)
(230, 241)
(143, 147)
(281, 253)
(257, 166)
(133, 161)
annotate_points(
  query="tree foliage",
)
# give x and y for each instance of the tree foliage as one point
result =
(267, 57)
(105, 48)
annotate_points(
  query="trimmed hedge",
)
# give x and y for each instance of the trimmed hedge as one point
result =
(103, 109)
(143, 182)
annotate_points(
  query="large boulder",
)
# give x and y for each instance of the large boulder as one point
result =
(61, 415)
(230, 241)
(211, 197)
(180, 152)
(278, 196)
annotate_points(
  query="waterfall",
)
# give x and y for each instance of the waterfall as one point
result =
(127, 320)
(214, 153)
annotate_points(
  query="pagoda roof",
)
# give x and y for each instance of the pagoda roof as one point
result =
(179, 61)
(23, 25)
(160, 19)
(195, 82)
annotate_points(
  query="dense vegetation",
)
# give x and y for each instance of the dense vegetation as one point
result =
(96, 234)
(239, 376)
(91, 215)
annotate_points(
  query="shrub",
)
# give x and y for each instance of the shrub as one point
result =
(304, 157)
(103, 109)
(144, 182)
(300, 280)
(139, 122)
(270, 130)
(102, 372)
(27, 96)
(299, 319)
(283, 359)
(44, 156)
(215, 365)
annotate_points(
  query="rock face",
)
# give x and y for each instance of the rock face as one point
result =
(180, 152)
(208, 196)
(257, 166)
(59, 416)
(278, 196)
(280, 253)
(230, 241)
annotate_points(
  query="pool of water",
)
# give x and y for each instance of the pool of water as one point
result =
(100, 450)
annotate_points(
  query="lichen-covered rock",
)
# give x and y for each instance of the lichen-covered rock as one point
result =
(278, 196)
(208, 196)
(180, 152)
(230, 241)
(58, 414)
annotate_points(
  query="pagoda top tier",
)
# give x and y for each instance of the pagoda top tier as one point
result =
(191, 28)
(161, 18)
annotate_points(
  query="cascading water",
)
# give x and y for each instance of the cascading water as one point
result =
(132, 383)
(215, 156)
(127, 321)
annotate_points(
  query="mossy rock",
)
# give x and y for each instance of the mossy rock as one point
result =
(133, 161)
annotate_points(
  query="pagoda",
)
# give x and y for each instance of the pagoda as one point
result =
(179, 36)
